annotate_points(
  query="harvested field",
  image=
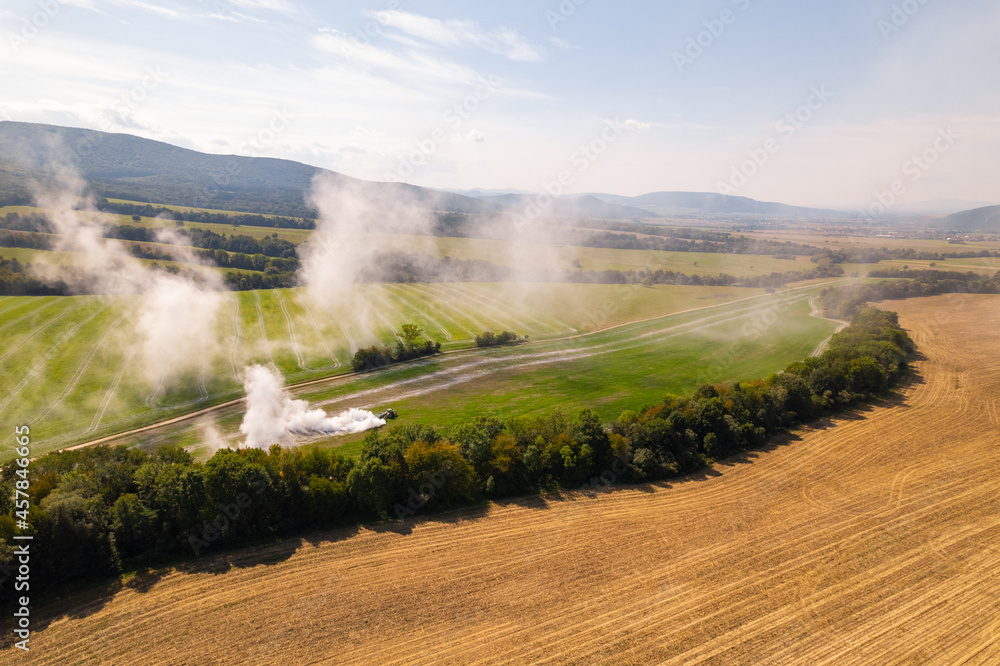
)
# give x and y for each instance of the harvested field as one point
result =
(872, 538)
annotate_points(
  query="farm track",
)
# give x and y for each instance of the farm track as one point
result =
(458, 369)
(746, 306)
(822, 347)
(868, 539)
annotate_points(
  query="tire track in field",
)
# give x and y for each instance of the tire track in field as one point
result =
(203, 373)
(370, 307)
(38, 330)
(405, 296)
(465, 294)
(263, 331)
(488, 313)
(155, 391)
(291, 331)
(428, 294)
(351, 342)
(237, 339)
(16, 305)
(384, 299)
(43, 362)
(319, 334)
(468, 370)
(109, 394)
(519, 309)
(78, 375)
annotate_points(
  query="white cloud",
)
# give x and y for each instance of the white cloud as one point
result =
(415, 66)
(151, 7)
(562, 43)
(633, 125)
(476, 136)
(278, 6)
(235, 17)
(457, 33)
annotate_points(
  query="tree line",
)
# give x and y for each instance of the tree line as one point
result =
(845, 302)
(410, 344)
(491, 339)
(98, 511)
(871, 255)
(270, 246)
(15, 281)
(235, 219)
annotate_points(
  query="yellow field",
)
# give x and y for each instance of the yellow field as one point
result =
(833, 240)
(873, 538)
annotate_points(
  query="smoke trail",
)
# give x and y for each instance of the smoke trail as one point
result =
(273, 417)
(176, 322)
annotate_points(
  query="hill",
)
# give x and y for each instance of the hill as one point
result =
(123, 166)
(574, 206)
(678, 203)
(977, 219)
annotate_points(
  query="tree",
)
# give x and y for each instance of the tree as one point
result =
(137, 219)
(370, 485)
(439, 474)
(327, 499)
(411, 334)
(133, 525)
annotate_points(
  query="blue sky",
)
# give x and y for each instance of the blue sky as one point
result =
(499, 95)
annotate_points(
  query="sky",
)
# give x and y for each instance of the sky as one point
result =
(841, 104)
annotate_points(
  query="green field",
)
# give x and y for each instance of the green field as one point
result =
(611, 370)
(509, 253)
(69, 365)
(568, 257)
(980, 265)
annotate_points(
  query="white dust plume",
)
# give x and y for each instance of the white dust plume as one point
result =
(175, 327)
(274, 417)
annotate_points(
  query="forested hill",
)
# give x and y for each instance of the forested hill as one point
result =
(977, 219)
(123, 166)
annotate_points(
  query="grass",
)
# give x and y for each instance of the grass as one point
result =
(611, 370)
(568, 257)
(510, 253)
(64, 258)
(72, 365)
(830, 240)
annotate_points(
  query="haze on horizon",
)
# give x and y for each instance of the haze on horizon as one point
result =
(504, 96)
